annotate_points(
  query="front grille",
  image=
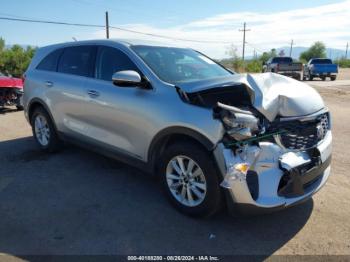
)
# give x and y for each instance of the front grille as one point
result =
(303, 135)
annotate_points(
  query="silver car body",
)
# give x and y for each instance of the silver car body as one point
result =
(132, 121)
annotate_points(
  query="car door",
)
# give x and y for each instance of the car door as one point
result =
(68, 96)
(117, 115)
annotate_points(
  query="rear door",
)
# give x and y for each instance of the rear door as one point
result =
(67, 88)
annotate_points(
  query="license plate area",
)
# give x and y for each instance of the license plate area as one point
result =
(325, 147)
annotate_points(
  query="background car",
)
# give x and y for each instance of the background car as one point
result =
(11, 91)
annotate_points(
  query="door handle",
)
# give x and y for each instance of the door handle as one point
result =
(93, 93)
(49, 84)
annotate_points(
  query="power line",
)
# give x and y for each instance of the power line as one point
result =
(112, 27)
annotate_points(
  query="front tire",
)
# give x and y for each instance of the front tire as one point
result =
(44, 131)
(190, 180)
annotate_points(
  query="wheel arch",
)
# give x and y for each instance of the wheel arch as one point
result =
(171, 135)
(35, 103)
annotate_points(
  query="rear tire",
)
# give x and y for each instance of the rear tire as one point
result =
(323, 78)
(333, 78)
(311, 78)
(44, 131)
(190, 180)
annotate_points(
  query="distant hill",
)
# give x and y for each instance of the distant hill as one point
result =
(297, 50)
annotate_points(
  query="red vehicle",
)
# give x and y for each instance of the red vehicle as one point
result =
(11, 91)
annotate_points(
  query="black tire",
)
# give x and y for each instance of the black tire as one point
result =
(323, 78)
(333, 78)
(19, 108)
(54, 143)
(311, 78)
(212, 201)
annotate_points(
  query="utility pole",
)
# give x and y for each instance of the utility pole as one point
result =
(346, 51)
(244, 30)
(291, 48)
(107, 26)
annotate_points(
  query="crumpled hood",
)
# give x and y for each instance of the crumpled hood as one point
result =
(272, 94)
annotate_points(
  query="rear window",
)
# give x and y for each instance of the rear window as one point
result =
(321, 61)
(77, 60)
(282, 60)
(49, 63)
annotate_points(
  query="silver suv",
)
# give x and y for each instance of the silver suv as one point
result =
(250, 142)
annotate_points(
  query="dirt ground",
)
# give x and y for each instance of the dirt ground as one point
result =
(78, 202)
(344, 74)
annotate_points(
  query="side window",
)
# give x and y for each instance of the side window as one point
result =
(49, 63)
(77, 60)
(111, 60)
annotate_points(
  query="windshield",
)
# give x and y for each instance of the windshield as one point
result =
(178, 65)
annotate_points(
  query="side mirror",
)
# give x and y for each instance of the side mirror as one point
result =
(127, 78)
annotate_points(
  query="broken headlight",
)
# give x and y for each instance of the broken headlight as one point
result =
(240, 124)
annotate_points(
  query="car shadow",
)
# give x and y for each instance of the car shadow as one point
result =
(5, 110)
(76, 202)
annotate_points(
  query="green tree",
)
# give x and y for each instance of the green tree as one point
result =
(254, 66)
(235, 62)
(317, 50)
(14, 61)
(2, 44)
(267, 55)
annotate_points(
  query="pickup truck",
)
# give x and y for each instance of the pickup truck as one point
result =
(320, 67)
(284, 66)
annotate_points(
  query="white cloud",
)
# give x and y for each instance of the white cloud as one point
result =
(328, 23)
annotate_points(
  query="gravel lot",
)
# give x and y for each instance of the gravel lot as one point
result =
(78, 202)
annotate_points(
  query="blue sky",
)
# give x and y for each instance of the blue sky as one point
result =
(273, 23)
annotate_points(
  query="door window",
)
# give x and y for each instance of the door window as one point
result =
(77, 60)
(111, 60)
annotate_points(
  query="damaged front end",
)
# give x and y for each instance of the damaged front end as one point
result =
(276, 148)
(10, 96)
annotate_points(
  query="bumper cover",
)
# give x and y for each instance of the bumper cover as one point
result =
(271, 164)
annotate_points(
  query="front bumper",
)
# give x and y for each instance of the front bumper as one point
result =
(269, 166)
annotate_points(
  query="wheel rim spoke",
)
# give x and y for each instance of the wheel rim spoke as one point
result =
(175, 186)
(180, 160)
(176, 167)
(200, 185)
(189, 196)
(196, 192)
(197, 173)
(190, 166)
(174, 177)
(183, 193)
